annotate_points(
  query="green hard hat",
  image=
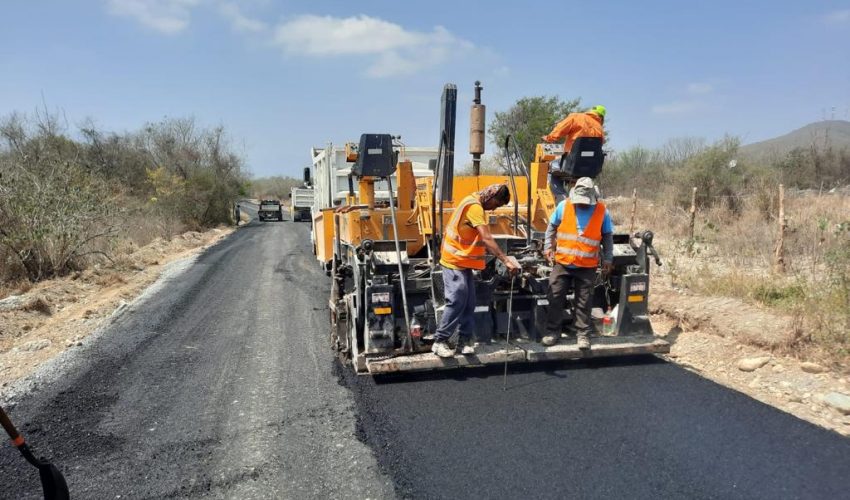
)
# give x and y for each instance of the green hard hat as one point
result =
(599, 110)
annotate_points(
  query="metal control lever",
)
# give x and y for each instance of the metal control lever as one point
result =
(646, 238)
(654, 253)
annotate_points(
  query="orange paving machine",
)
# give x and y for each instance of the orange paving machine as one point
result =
(383, 257)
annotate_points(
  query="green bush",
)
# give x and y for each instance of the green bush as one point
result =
(63, 200)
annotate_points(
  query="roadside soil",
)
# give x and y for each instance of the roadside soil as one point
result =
(718, 337)
(56, 315)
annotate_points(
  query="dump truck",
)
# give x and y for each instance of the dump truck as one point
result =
(386, 296)
(301, 202)
(329, 178)
(270, 209)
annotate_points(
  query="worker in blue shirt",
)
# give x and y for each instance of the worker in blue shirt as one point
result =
(577, 229)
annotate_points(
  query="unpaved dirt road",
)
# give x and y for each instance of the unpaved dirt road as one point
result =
(220, 384)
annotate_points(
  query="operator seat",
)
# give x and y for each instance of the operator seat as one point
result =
(585, 159)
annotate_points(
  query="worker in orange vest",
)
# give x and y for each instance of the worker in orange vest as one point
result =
(466, 241)
(575, 125)
(576, 230)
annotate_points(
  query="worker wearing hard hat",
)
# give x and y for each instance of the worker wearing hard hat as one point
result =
(466, 241)
(576, 229)
(575, 125)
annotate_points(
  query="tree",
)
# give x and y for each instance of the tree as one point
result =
(274, 187)
(527, 120)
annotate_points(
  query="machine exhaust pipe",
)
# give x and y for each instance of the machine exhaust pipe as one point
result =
(477, 126)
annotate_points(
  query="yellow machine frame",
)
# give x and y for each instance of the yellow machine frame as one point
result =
(359, 219)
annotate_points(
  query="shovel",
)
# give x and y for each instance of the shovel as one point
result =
(52, 481)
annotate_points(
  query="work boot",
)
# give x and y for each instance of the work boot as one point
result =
(583, 341)
(442, 350)
(466, 346)
(550, 340)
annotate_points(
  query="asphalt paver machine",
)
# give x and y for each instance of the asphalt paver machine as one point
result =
(386, 297)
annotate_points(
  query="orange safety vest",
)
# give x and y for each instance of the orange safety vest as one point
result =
(459, 252)
(580, 250)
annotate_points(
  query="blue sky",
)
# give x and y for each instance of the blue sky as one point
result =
(283, 76)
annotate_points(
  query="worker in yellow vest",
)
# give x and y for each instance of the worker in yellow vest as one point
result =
(466, 241)
(577, 229)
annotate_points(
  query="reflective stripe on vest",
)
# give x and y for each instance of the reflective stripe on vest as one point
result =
(451, 233)
(455, 251)
(579, 249)
(462, 252)
(575, 237)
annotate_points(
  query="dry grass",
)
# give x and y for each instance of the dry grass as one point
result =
(38, 304)
(18, 287)
(732, 255)
(108, 279)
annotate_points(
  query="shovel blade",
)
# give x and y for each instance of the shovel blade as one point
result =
(53, 483)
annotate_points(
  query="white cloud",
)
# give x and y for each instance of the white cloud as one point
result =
(240, 21)
(390, 49)
(676, 107)
(385, 48)
(700, 88)
(165, 16)
(838, 16)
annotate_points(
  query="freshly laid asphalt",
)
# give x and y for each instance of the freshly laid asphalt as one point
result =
(221, 384)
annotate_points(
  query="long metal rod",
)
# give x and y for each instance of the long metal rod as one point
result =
(508, 337)
(436, 185)
(513, 186)
(525, 171)
(445, 142)
(516, 201)
(401, 278)
(431, 273)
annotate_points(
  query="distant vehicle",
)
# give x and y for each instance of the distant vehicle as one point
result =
(270, 209)
(302, 201)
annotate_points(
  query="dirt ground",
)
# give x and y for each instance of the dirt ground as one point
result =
(57, 315)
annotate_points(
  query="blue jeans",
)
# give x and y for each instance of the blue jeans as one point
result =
(459, 313)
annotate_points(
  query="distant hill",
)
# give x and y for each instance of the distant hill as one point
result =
(837, 132)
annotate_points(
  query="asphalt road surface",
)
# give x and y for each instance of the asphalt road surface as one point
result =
(221, 384)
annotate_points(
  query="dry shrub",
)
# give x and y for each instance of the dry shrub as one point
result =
(22, 286)
(736, 228)
(64, 202)
(38, 304)
(110, 279)
(734, 250)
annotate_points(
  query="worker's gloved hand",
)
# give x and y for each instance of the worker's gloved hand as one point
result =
(512, 265)
(607, 268)
(548, 255)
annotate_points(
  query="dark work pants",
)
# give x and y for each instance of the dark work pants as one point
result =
(560, 281)
(459, 313)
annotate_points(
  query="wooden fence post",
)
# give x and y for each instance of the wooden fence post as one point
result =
(779, 255)
(692, 222)
(634, 209)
